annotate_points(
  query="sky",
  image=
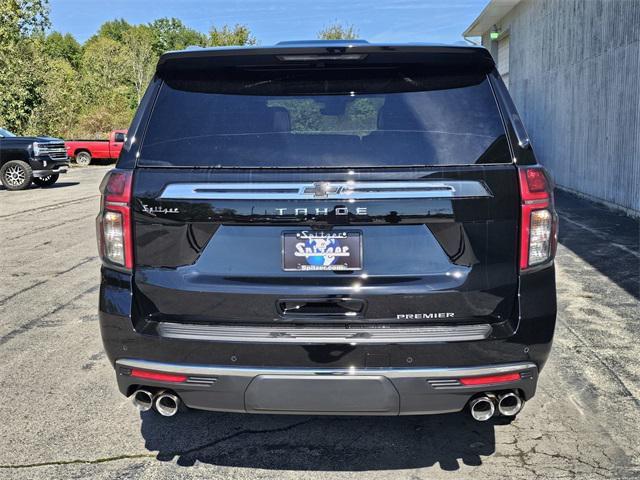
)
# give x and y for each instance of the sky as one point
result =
(437, 21)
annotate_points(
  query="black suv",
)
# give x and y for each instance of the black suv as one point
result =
(328, 228)
(23, 160)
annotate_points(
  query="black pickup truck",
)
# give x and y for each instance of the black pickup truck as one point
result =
(328, 228)
(23, 160)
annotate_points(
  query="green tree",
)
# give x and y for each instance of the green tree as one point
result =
(65, 46)
(238, 35)
(172, 34)
(141, 58)
(59, 101)
(103, 66)
(21, 18)
(22, 26)
(107, 94)
(113, 29)
(116, 66)
(337, 31)
(110, 111)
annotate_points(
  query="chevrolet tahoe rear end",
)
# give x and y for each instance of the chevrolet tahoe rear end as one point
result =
(328, 228)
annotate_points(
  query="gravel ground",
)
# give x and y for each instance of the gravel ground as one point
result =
(64, 418)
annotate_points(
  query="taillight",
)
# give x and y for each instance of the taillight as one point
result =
(538, 227)
(114, 222)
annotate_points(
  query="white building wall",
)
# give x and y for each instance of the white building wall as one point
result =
(503, 58)
(574, 74)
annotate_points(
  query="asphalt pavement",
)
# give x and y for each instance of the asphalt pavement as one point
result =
(62, 416)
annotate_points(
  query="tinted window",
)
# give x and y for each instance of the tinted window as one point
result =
(329, 119)
(119, 137)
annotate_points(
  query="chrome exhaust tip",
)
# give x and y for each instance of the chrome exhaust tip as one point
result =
(510, 404)
(167, 404)
(482, 408)
(143, 400)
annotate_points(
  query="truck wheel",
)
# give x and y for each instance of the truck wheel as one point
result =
(16, 175)
(46, 181)
(83, 159)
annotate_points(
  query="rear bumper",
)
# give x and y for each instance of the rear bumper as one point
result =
(399, 373)
(326, 391)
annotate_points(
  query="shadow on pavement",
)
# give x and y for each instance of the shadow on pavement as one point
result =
(33, 186)
(608, 240)
(318, 443)
(60, 185)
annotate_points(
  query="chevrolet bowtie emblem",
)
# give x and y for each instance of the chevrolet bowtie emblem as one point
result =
(322, 189)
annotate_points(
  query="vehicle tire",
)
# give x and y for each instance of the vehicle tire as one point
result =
(46, 181)
(16, 175)
(83, 159)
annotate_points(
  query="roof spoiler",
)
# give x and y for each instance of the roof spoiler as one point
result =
(326, 54)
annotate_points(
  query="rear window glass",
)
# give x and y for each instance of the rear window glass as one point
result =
(324, 119)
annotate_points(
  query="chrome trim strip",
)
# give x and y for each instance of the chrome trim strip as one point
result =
(211, 370)
(444, 383)
(350, 190)
(46, 173)
(325, 335)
